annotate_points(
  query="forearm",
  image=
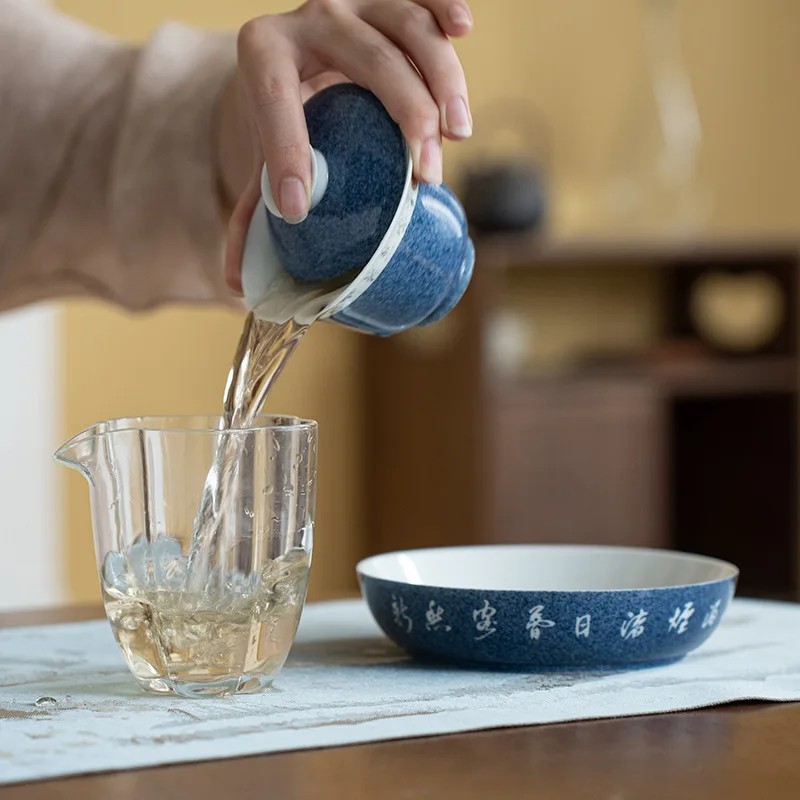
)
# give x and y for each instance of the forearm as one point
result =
(109, 183)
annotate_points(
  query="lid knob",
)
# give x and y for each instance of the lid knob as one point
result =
(319, 183)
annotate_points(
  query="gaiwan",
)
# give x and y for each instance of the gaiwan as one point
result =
(378, 251)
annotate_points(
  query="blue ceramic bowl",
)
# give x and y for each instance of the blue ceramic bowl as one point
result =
(378, 252)
(547, 607)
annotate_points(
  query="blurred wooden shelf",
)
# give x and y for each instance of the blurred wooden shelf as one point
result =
(716, 378)
(511, 252)
(688, 448)
(757, 376)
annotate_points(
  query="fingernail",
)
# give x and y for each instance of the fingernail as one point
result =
(294, 200)
(456, 118)
(430, 161)
(460, 15)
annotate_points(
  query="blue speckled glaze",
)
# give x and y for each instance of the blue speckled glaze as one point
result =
(548, 630)
(366, 159)
(364, 202)
(428, 273)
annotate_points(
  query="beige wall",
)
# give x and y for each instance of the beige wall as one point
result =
(578, 62)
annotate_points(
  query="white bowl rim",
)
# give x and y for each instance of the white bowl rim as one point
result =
(366, 566)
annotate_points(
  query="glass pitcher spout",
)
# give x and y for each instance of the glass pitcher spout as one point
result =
(78, 452)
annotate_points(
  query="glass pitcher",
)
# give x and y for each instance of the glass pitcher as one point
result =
(203, 539)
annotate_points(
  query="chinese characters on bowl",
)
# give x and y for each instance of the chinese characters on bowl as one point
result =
(547, 607)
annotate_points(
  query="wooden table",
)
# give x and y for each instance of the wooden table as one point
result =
(732, 752)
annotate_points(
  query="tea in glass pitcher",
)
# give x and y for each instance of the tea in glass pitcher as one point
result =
(231, 629)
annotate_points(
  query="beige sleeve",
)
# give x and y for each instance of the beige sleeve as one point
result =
(107, 180)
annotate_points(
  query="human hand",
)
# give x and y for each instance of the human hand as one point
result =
(398, 49)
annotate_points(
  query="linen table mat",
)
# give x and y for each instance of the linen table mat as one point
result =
(345, 683)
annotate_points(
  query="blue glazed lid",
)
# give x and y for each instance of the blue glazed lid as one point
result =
(362, 152)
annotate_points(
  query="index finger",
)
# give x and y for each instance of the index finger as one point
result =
(271, 78)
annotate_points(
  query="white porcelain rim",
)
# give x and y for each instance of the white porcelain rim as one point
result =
(365, 567)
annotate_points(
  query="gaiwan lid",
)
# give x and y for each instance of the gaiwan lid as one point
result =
(359, 165)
